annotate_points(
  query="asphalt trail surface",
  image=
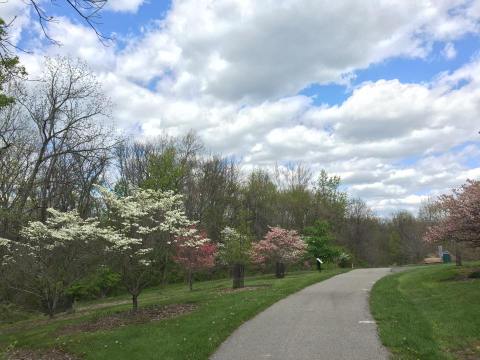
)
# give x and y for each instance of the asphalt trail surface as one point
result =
(330, 320)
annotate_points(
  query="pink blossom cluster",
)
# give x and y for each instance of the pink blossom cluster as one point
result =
(279, 245)
(461, 216)
(194, 251)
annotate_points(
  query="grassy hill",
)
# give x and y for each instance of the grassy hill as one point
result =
(175, 323)
(430, 312)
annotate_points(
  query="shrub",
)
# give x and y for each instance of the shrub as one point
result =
(344, 260)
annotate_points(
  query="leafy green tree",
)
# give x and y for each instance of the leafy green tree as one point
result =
(330, 202)
(320, 245)
(165, 172)
(9, 65)
(10, 68)
(260, 200)
(234, 250)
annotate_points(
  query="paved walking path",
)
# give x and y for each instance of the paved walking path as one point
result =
(326, 321)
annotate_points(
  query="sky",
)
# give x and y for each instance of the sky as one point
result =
(385, 94)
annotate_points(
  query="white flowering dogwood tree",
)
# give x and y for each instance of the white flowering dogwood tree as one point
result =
(142, 228)
(4, 252)
(51, 256)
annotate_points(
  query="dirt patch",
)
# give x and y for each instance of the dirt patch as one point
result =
(470, 353)
(467, 274)
(144, 315)
(52, 354)
(103, 305)
(246, 288)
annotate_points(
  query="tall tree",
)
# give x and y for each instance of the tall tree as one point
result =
(260, 201)
(66, 110)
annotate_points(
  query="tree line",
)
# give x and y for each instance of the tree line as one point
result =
(81, 200)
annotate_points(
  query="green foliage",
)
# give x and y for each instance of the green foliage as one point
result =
(344, 260)
(260, 201)
(9, 67)
(330, 201)
(164, 171)
(101, 283)
(394, 243)
(10, 313)
(319, 241)
(235, 247)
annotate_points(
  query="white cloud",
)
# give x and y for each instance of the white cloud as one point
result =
(124, 5)
(249, 50)
(231, 70)
(16, 14)
(449, 51)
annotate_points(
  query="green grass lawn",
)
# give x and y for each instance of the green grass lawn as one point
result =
(429, 312)
(192, 336)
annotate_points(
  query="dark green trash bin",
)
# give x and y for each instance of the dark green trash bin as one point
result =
(447, 257)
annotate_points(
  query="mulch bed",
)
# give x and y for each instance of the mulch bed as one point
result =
(469, 353)
(51, 354)
(246, 288)
(466, 274)
(143, 315)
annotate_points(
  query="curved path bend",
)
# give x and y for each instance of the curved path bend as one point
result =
(330, 320)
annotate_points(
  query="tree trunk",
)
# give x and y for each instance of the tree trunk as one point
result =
(458, 255)
(134, 302)
(279, 270)
(52, 306)
(190, 280)
(238, 276)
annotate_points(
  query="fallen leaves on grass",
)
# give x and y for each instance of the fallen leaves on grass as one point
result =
(469, 353)
(246, 288)
(465, 274)
(51, 354)
(144, 315)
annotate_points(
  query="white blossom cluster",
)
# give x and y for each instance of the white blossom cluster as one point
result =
(143, 214)
(5, 258)
(60, 228)
(4, 242)
(194, 238)
(132, 219)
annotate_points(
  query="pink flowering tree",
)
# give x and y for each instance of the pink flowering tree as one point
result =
(194, 252)
(279, 247)
(460, 217)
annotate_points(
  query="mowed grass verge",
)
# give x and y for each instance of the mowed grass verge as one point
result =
(429, 312)
(192, 336)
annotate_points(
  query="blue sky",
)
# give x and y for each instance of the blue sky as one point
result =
(385, 95)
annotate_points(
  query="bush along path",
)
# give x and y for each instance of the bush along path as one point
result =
(210, 313)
